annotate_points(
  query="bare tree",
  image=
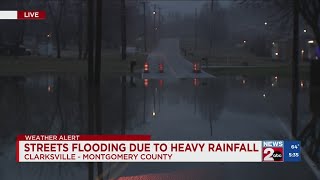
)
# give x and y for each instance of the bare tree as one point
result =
(21, 4)
(80, 31)
(308, 9)
(22, 24)
(57, 21)
(123, 30)
(292, 9)
(211, 19)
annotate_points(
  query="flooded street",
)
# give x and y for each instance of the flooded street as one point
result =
(222, 108)
(236, 81)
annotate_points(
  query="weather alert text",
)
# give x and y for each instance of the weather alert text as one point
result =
(140, 148)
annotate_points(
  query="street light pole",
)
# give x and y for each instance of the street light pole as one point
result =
(211, 27)
(145, 26)
(98, 42)
(154, 25)
(124, 104)
(154, 102)
(144, 103)
(97, 75)
(195, 30)
(295, 75)
(90, 79)
(123, 30)
(159, 22)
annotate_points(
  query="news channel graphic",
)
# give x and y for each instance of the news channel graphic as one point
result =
(23, 15)
(140, 148)
(281, 151)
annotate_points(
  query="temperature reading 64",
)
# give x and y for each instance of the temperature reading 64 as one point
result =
(295, 146)
(292, 151)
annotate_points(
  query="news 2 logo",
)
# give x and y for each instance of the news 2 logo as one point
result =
(272, 151)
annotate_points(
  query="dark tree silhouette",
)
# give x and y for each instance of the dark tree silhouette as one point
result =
(80, 10)
(56, 14)
(290, 10)
(90, 47)
(212, 23)
(308, 9)
(123, 30)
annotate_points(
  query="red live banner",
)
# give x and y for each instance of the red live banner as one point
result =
(31, 15)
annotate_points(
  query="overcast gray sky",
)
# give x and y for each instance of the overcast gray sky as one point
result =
(184, 6)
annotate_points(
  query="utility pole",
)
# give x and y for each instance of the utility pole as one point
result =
(195, 29)
(154, 25)
(98, 42)
(211, 27)
(123, 31)
(295, 70)
(124, 104)
(97, 75)
(145, 26)
(159, 21)
(90, 79)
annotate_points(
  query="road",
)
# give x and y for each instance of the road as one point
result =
(224, 108)
(230, 114)
(178, 121)
(175, 65)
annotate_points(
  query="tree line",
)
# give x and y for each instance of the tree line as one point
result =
(66, 21)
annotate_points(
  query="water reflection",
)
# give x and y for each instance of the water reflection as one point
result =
(53, 104)
(61, 108)
(310, 132)
(166, 109)
(207, 96)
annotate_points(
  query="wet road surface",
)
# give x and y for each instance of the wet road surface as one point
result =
(175, 65)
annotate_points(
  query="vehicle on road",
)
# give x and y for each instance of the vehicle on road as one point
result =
(161, 67)
(146, 67)
(196, 67)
